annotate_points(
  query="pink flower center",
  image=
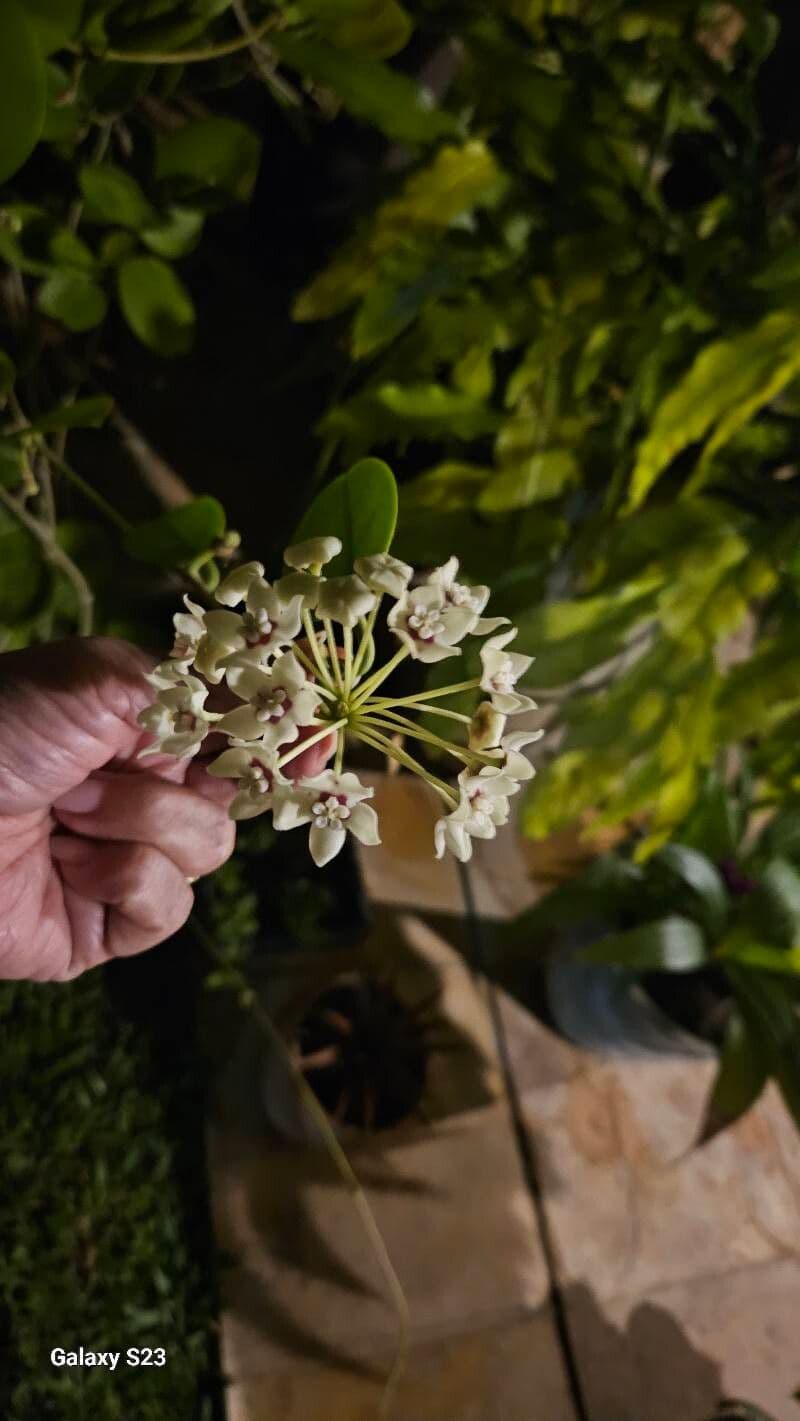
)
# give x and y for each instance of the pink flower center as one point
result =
(257, 627)
(425, 624)
(272, 706)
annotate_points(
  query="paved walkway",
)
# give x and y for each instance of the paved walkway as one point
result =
(563, 1257)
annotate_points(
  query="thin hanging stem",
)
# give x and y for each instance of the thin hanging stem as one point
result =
(312, 740)
(55, 554)
(191, 56)
(88, 492)
(422, 696)
(378, 677)
(341, 1163)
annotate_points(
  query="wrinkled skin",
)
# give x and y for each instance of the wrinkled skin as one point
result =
(97, 847)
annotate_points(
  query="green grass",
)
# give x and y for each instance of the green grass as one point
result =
(103, 1237)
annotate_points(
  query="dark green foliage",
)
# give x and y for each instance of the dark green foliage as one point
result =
(97, 1245)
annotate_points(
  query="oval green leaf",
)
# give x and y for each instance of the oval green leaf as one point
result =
(671, 944)
(74, 299)
(209, 153)
(156, 305)
(741, 1077)
(23, 88)
(112, 195)
(360, 508)
(178, 535)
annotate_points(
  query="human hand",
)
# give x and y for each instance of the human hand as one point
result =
(115, 877)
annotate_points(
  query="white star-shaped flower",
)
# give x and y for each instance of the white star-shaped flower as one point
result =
(261, 783)
(429, 625)
(501, 671)
(278, 701)
(482, 807)
(178, 720)
(333, 804)
(461, 594)
(267, 625)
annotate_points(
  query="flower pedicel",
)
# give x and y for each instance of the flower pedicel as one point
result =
(275, 647)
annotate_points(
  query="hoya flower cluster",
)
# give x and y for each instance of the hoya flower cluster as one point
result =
(297, 658)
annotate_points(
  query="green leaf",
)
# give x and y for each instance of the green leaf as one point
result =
(112, 195)
(360, 508)
(54, 22)
(776, 904)
(728, 383)
(707, 886)
(156, 305)
(22, 572)
(608, 888)
(714, 825)
(430, 409)
(671, 944)
(23, 87)
(542, 476)
(741, 1077)
(215, 152)
(176, 235)
(88, 413)
(74, 299)
(178, 535)
(771, 1015)
(8, 373)
(369, 89)
(782, 270)
(378, 28)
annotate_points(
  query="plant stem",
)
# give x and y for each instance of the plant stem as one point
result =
(333, 652)
(312, 740)
(311, 633)
(380, 742)
(337, 764)
(422, 696)
(88, 492)
(428, 710)
(366, 637)
(408, 727)
(312, 670)
(190, 56)
(348, 659)
(379, 676)
(341, 1163)
(56, 555)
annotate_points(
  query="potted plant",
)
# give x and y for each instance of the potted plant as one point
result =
(693, 950)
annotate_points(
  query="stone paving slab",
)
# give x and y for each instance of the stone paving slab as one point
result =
(675, 1353)
(508, 1373)
(630, 1210)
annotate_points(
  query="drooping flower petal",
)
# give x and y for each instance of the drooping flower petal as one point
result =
(345, 600)
(515, 764)
(384, 574)
(313, 553)
(233, 589)
(501, 671)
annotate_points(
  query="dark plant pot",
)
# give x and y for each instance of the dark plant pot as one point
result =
(610, 1010)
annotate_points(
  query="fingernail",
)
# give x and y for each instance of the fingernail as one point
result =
(83, 799)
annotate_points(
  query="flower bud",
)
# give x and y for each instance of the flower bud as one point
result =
(314, 552)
